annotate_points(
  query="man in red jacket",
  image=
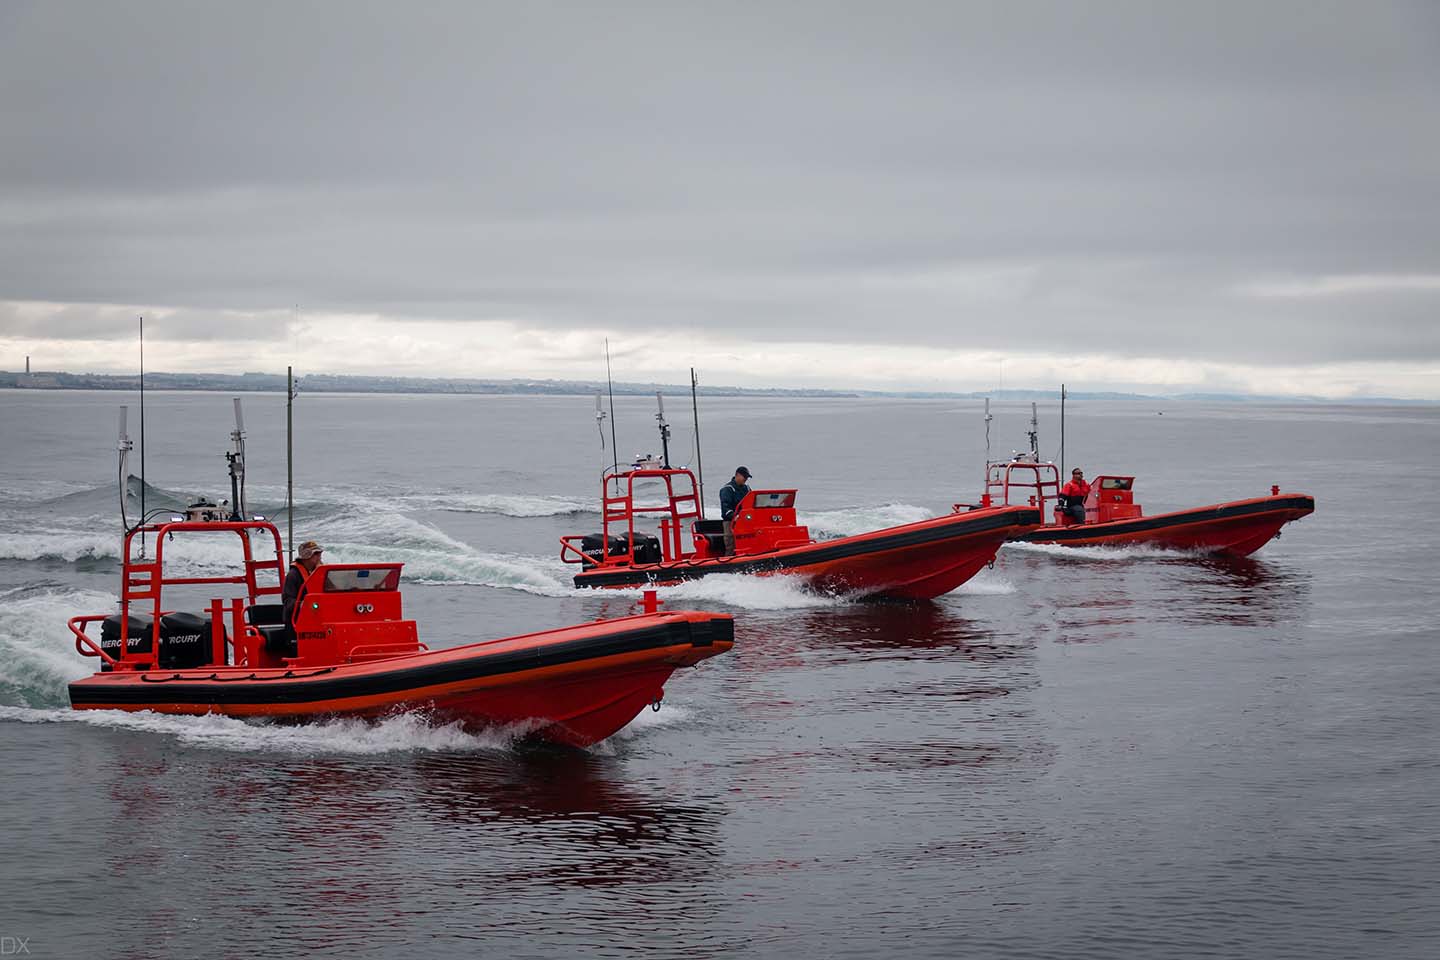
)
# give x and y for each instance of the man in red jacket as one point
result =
(1073, 494)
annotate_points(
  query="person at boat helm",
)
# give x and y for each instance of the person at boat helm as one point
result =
(1073, 494)
(733, 492)
(307, 558)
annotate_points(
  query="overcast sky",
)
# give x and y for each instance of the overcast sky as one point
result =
(1155, 196)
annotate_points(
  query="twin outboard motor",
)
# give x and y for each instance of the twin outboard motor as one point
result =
(184, 638)
(594, 545)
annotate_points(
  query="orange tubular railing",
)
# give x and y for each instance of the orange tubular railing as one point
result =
(87, 647)
(566, 548)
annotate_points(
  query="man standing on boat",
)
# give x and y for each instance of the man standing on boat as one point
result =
(733, 492)
(730, 496)
(307, 558)
(1073, 494)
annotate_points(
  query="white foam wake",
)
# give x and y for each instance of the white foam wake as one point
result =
(1126, 552)
(503, 504)
(986, 583)
(37, 651)
(60, 544)
(403, 733)
(100, 538)
(749, 592)
(826, 524)
(376, 535)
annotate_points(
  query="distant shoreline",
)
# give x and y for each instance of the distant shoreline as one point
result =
(336, 383)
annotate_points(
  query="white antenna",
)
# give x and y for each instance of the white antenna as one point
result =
(290, 460)
(988, 418)
(664, 429)
(1034, 432)
(123, 446)
(600, 418)
(236, 459)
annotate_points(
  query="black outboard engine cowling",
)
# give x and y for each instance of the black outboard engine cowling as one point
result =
(647, 548)
(137, 635)
(184, 640)
(596, 545)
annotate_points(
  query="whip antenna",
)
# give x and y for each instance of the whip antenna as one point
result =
(290, 460)
(236, 459)
(664, 429)
(1062, 429)
(610, 383)
(1034, 432)
(142, 433)
(699, 463)
(600, 416)
(988, 418)
(123, 447)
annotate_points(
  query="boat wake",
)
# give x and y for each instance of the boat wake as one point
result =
(37, 651)
(403, 733)
(501, 504)
(986, 583)
(1127, 552)
(777, 592)
(831, 524)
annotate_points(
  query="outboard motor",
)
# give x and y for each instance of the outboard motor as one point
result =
(184, 640)
(647, 548)
(597, 546)
(137, 635)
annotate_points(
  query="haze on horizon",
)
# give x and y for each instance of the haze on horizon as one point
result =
(947, 196)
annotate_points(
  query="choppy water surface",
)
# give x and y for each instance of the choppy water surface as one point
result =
(1081, 753)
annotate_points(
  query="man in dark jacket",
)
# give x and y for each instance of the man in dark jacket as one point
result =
(730, 496)
(307, 558)
(733, 492)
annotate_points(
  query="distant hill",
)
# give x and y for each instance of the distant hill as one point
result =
(348, 383)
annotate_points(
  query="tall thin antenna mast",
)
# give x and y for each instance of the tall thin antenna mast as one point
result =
(236, 459)
(1062, 429)
(664, 429)
(1034, 432)
(700, 463)
(600, 416)
(988, 418)
(290, 460)
(124, 446)
(610, 383)
(142, 432)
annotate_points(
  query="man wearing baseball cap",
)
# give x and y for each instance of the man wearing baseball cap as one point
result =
(307, 558)
(733, 492)
(730, 496)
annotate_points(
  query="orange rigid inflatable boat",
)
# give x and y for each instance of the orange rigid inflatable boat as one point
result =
(1108, 516)
(1113, 518)
(350, 652)
(914, 561)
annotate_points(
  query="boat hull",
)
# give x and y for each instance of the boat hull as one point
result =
(916, 561)
(1237, 528)
(574, 686)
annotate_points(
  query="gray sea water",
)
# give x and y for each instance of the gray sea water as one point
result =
(1080, 754)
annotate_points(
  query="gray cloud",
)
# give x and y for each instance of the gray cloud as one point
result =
(1019, 177)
